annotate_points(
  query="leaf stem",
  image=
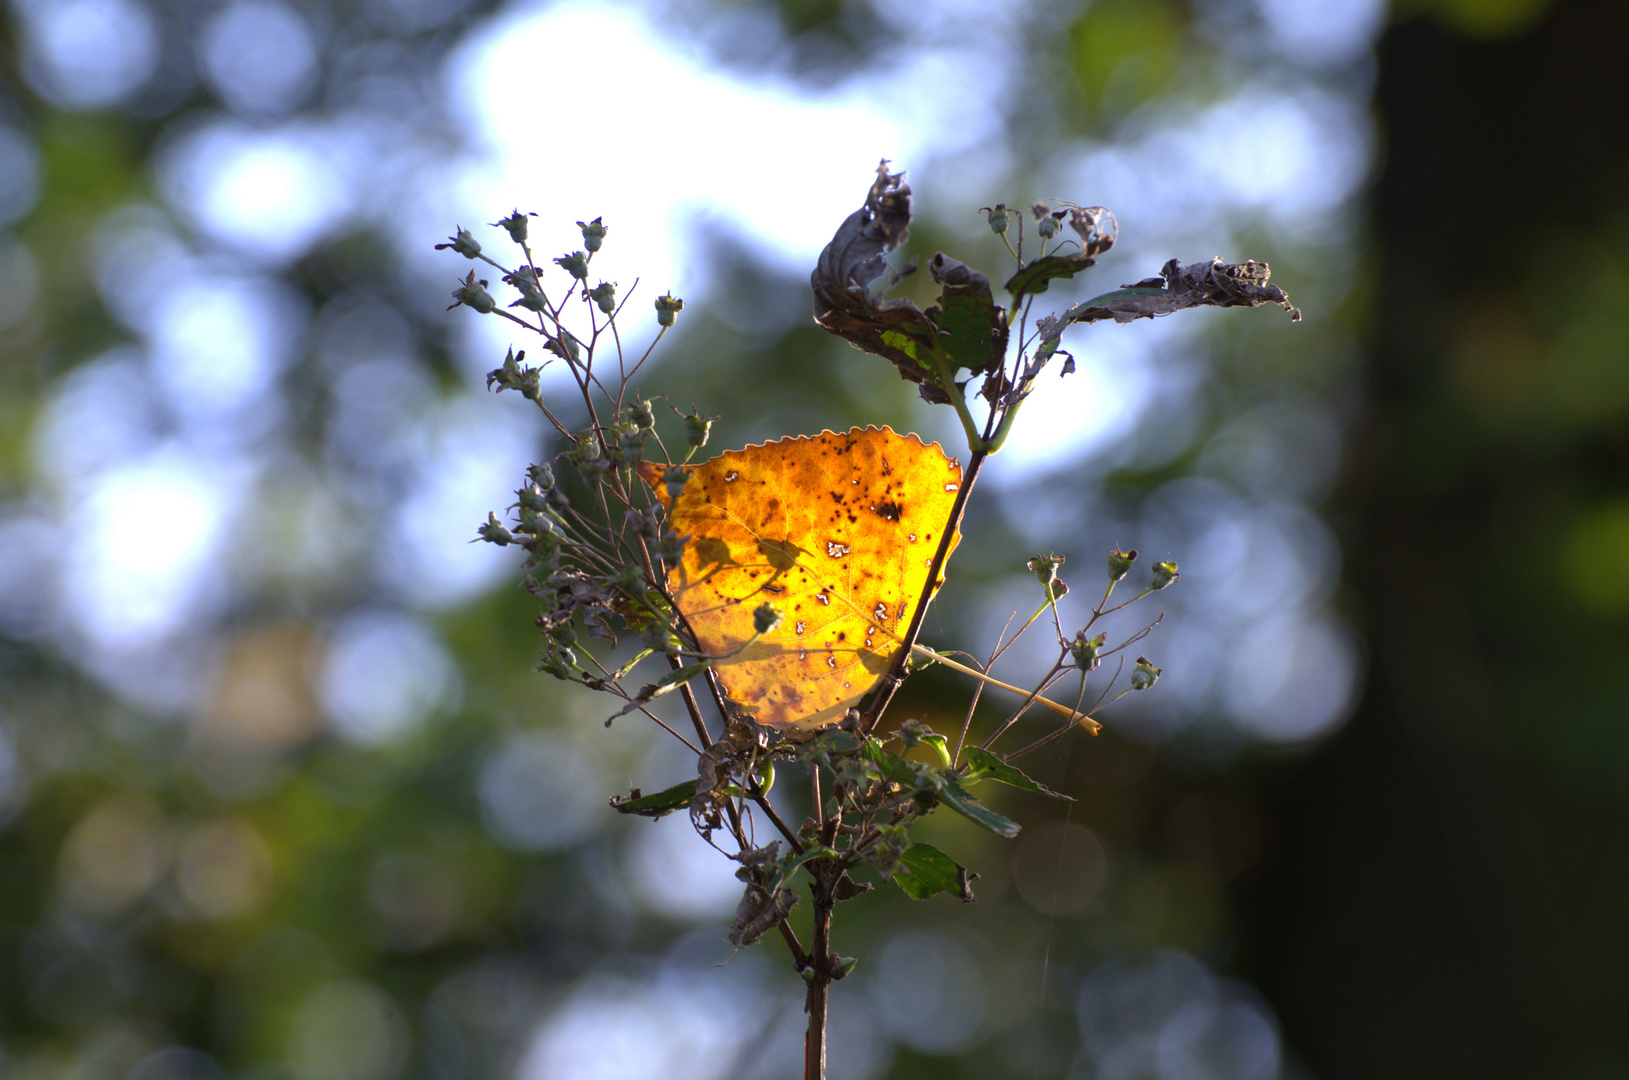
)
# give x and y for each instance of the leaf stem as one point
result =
(1034, 698)
(947, 383)
(999, 439)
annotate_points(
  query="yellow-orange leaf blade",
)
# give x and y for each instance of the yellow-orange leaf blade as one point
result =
(838, 531)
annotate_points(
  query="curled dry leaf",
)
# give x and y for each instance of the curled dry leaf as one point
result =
(965, 326)
(838, 532)
(1212, 284)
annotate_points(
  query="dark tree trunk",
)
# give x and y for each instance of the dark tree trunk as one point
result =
(1449, 895)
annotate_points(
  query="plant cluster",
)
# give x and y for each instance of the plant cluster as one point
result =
(621, 531)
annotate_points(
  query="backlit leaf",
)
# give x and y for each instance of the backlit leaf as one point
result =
(677, 797)
(953, 795)
(1033, 278)
(986, 766)
(972, 328)
(837, 531)
(925, 871)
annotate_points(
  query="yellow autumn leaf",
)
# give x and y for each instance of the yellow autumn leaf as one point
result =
(836, 531)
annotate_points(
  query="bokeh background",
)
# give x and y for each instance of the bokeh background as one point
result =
(280, 798)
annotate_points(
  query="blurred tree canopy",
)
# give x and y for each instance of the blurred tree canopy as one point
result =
(280, 796)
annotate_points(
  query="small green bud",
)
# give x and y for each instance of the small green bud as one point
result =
(842, 965)
(531, 498)
(531, 292)
(1120, 563)
(642, 415)
(697, 427)
(605, 295)
(632, 445)
(473, 294)
(535, 522)
(658, 636)
(564, 633)
(566, 347)
(912, 732)
(516, 376)
(463, 243)
(765, 618)
(998, 217)
(1046, 220)
(674, 480)
(507, 376)
(1164, 574)
(585, 446)
(516, 224)
(1144, 675)
(575, 264)
(667, 308)
(1085, 650)
(493, 532)
(1045, 569)
(593, 234)
(561, 663)
(542, 475)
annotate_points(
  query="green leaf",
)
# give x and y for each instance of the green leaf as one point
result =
(957, 798)
(986, 766)
(909, 341)
(835, 741)
(972, 327)
(925, 871)
(676, 678)
(666, 684)
(677, 797)
(893, 768)
(1033, 277)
